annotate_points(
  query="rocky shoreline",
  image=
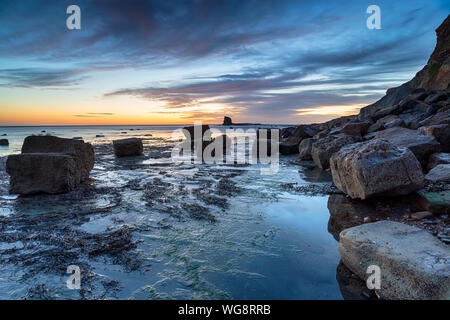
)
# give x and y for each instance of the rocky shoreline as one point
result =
(393, 151)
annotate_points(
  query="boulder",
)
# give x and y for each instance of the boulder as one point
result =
(414, 264)
(305, 148)
(32, 173)
(386, 122)
(353, 128)
(335, 123)
(441, 132)
(290, 146)
(374, 168)
(439, 174)
(287, 132)
(4, 142)
(387, 104)
(322, 149)
(82, 153)
(438, 158)
(422, 146)
(128, 147)
(442, 116)
(227, 121)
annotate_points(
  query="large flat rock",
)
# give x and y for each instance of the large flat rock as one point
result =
(413, 263)
(375, 168)
(32, 173)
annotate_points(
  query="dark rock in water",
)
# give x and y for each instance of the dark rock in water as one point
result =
(305, 148)
(346, 213)
(441, 132)
(33, 173)
(439, 174)
(4, 142)
(322, 149)
(99, 136)
(82, 152)
(352, 288)
(422, 146)
(414, 263)
(438, 158)
(128, 147)
(290, 146)
(286, 132)
(311, 173)
(374, 168)
(77, 138)
(193, 132)
(4, 135)
(227, 121)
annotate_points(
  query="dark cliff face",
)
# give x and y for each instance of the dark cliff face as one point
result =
(434, 76)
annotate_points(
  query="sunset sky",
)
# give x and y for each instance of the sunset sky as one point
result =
(169, 62)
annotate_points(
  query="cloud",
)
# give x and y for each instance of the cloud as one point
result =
(249, 57)
(93, 114)
(39, 77)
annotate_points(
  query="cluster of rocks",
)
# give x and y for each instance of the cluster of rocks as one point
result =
(397, 146)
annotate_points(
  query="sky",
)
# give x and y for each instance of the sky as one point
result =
(176, 62)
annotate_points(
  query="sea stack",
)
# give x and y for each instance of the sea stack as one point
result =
(227, 121)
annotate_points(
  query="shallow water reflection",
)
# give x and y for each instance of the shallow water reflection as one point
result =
(189, 232)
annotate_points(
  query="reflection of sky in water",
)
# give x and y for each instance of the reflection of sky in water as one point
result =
(268, 244)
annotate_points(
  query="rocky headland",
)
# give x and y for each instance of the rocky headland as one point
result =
(395, 150)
